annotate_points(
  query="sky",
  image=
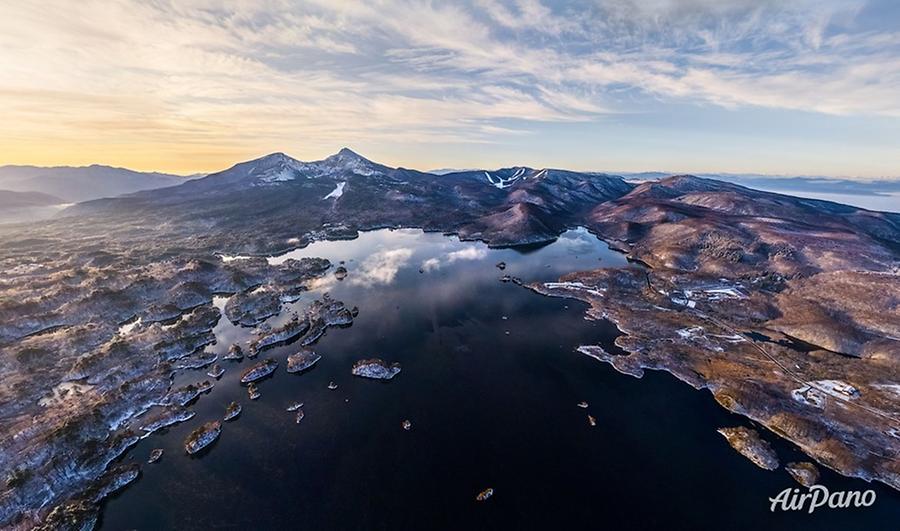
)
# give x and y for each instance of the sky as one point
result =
(778, 87)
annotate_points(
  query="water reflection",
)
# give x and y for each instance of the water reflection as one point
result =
(381, 267)
(491, 381)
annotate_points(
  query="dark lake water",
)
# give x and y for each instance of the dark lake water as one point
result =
(491, 382)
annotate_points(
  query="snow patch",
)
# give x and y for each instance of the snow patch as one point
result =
(502, 183)
(891, 388)
(337, 192)
(62, 392)
(684, 302)
(128, 327)
(837, 388)
(231, 258)
(734, 338)
(716, 294)
(283, 175)
(343, 162)
(577, 286)
(817, 391)
(809, 396)
(690, 333)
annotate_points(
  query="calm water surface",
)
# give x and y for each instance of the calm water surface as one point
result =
(884, 202)
(490, 382)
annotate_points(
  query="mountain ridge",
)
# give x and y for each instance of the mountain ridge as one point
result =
(14, 199)
(82, 183)
(280, 188)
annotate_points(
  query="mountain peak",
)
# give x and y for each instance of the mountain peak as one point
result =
(274, 168)
(347, 159)
(276, 157)
(347, 156)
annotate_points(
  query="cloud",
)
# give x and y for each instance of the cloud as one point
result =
(198, 80)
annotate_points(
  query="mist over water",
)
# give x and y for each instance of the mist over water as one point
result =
(490, 382)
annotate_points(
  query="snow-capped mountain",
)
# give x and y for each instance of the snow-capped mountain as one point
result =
(347, 189)
(347, 160)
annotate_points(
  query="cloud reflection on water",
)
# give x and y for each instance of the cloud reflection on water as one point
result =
(381, 268)
(468, 253)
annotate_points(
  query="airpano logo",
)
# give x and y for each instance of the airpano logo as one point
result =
(818, 496)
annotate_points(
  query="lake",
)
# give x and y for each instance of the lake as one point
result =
(490, 382)
(883, 201)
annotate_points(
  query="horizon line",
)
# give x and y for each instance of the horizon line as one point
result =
(445, 170)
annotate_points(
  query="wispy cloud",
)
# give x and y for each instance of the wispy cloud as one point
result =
(199, 80)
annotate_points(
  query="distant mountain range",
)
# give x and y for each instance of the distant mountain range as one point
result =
(343, 193)
(74, 184)
(21, 207)
(537, 199)
(814, 184)
(11, 199)
(805, 183)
